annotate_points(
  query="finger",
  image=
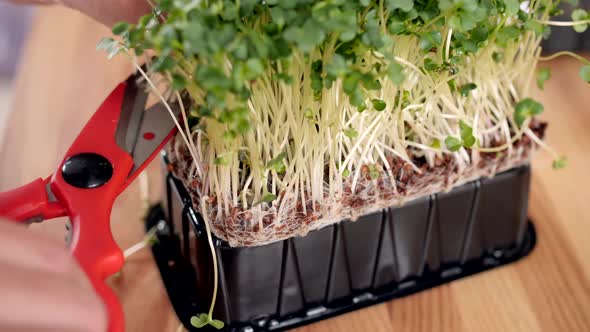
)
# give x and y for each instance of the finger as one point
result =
(110, 12)
(22, 248)
(44, 300)
(32, 2)
(27, 328)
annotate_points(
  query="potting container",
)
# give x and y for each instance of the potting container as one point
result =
(346, 266)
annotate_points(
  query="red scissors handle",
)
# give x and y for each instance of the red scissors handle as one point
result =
(29, 202)
(89, 205)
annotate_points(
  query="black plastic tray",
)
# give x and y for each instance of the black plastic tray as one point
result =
(346, 266)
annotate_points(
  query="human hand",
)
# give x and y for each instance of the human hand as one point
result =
(42, 288)
(107, 12)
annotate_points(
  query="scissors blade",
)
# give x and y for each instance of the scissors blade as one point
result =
(132, 112)
(142, 132)
(156, 127)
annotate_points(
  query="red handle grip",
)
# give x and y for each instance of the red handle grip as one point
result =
(89, 209)
(29, 201)
(99, 256)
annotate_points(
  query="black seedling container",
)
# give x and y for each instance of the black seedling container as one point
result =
(346, 266)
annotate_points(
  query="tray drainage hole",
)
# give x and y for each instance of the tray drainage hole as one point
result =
(362, 298)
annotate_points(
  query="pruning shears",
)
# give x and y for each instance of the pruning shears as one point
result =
(120, 140)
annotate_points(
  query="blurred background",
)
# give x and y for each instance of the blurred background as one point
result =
(14, 22)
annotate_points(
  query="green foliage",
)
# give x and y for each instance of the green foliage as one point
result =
(109, 45)
(583, 16)
(351, 133)
(466, 135)
(543, 75)
(560, 163)
(218, 50)
(195, 40)
(203, 320)
(585, 73)
(453, 143)
(467, 139)
(379, 104)
(466, 89)
(526, 108)
(266, 198)
(277, 163)
(430, 40)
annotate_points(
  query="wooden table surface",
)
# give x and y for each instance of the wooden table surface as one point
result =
(62, 79)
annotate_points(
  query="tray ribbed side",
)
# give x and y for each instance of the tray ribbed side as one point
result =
(354, 264)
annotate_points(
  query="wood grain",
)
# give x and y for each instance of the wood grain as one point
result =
(62, 80)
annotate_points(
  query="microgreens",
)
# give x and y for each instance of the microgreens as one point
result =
(297, 97)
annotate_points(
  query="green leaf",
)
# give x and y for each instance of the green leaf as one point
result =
(266, 198)
(277, 163)
(105, 43)
(404, 5)
(216, 323)
(395, 73)
(506, 34)
(374, 173)
(453, 143)
(361, 108)
(580, 15)
(350, 133)
(203, 320)
(469, 141)
(466, 134)
(585, 73)
(430, 65)
(163, 63)
(560, 163)
(109, 45)
(435, 143)
(220, 161)
(543, 74)
(346, 173)
(430, 40)
(526, 108)
(254, 68)
(466, 131)
(178, 81)
(378, 104)
(512, 7)
(498, 57)
(200, 321)
(120, 28)
(467, 88)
